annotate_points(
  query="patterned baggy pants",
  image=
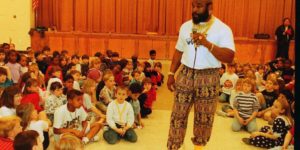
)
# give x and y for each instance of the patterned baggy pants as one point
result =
(198, 87)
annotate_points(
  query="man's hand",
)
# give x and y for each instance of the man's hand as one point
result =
(200, 39)
(171, 82)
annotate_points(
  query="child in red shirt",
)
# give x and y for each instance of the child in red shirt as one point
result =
(147, 98)
(31, 94)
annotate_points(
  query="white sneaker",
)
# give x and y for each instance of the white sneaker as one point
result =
(105, 128)
(85, 140)
(95, 138)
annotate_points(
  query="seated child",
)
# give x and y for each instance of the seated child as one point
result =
(246, 107)
(89, 100)
(32, 121)
(135, 89)
(29, 139)
(69, 142)
(120, 118)
(5, 79)
(54, 100)
(9, 100)
(135, 77)
(147, 97)
(227, 109)
(270, 137)
(76, 75)
(228, 81)
(31, 94)
(107, 94)
(71, 118)
(24, 64)
(266, 99)
(9, 128)
(85, 65)
(55, 73)
(68, 84)
(159, 77)
(140, 68)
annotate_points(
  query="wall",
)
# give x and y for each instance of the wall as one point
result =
(247, 50)
(16, 20)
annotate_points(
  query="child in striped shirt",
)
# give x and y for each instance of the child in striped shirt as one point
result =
(246, 106)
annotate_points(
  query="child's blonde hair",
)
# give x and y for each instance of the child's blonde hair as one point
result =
(73, 72)
(107, 75)
(239, 82)
(24, 111)
(7, 124)
(94, 61)
(250, 82)
(287, 108)
(87, 84)
(69, 141)
(122, 88)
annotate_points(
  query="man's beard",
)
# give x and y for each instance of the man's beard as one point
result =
(197, 18)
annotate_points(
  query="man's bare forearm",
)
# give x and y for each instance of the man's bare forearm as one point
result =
(225, 55)
(176, 61)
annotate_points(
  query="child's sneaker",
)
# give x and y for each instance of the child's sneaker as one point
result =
(221, 113)
(85, 140)
(105, 128)
(246, 141)
(95, 138)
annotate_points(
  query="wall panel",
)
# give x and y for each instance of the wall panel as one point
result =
(247, 50)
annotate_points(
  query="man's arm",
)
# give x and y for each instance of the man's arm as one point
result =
(225, 55)
(176, 61)
(174, 66)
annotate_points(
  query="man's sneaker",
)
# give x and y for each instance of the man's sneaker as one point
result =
(95, 138)
(221, 113)
(85, 140)
(246, 141)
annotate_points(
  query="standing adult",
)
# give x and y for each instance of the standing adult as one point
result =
(284, 34)
(203, 43)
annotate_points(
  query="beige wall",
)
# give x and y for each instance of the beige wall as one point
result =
(16, 28)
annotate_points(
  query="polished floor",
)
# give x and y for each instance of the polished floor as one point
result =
(154, 135)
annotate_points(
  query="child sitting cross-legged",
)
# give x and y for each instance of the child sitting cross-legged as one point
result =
(227, 109)
(135, 90)
(120, 118)
(55, 99)
(266, 99)
(246, 107)
(71, 118)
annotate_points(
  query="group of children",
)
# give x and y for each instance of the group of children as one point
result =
(76, 96)
(265, 92)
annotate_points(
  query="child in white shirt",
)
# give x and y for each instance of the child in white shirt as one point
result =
(120, 118)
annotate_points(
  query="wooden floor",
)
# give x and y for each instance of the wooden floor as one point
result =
(154, 135)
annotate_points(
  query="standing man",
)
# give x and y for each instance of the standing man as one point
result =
(203, 43)
(284, 34)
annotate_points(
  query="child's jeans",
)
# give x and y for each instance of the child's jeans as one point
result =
(250, 127)
(112, 137)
